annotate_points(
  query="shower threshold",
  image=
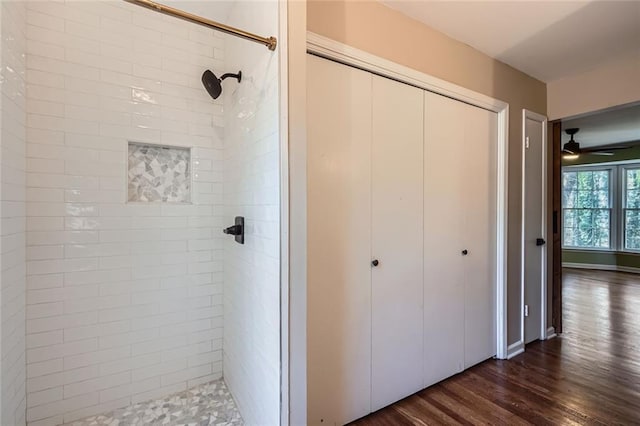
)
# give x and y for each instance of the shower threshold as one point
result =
(207, 404)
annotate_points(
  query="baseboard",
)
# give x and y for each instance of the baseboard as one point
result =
(616, 268)
(515, 349)
(551, 333)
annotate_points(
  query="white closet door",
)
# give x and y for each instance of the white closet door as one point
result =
(339, 248)
(444, 221)
(479, 173)
(397, 224)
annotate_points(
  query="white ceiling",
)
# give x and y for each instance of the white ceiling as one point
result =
(545, 39)
(605, 128)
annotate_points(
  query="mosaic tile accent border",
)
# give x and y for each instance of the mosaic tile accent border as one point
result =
(159, 173)
(205, 405)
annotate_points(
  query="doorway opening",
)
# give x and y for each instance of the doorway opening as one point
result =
(595, 190)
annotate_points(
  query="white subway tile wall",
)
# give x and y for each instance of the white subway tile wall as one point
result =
(12, 212)
(124, 300)
(251, 189)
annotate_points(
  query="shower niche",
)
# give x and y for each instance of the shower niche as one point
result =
(158, 173)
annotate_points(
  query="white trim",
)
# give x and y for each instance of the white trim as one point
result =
(297, 189)
(284, 210)
(333, 50)
(501, 237)
(604, 163)
(601, 267)
(551, 333)
(598, 251)
(592, 249)
(515, 349)
(526, 114)
(622, 209)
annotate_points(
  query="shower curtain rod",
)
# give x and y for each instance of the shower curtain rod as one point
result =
(270, 42)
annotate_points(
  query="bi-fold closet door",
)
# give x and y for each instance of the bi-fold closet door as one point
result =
(388, 181)
(459, 236)
(396, 241)
(339, 242)
(365, 170)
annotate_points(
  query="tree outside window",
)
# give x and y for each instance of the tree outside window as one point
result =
(586, 200)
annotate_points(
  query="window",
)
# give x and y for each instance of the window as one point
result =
(601, 207)
(631, 209)
(587, 208)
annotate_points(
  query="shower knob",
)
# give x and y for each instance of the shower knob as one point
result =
(236, 230)
(233, 230)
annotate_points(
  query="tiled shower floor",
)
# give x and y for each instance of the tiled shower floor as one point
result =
(208, 404)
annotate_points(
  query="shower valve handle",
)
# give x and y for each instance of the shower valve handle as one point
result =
(233, 230)
(236, 230)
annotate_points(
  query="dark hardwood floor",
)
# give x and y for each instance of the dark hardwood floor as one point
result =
(588, 375)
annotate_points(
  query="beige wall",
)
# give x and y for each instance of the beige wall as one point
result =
(375, 28)
(614, 83)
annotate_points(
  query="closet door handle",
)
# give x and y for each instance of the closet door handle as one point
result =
(375, 262)
(465, 252)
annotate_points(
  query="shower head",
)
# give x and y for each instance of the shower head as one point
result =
(213, 84)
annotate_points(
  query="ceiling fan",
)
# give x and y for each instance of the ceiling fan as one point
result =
(572, 148)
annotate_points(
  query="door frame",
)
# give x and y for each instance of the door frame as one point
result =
(339, 52)
(556, 255)
(283, 122)
(527, 114)
(293, 231)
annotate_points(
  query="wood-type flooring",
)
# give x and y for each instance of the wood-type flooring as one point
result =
(588, 375)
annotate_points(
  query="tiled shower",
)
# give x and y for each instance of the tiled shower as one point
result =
(119, 173)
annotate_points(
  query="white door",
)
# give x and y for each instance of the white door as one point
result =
(397, 221)
(534, 211)
(479, 173)
(444, 220)
(459, 236)
(339, 242)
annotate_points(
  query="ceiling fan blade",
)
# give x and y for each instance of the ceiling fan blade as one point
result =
(605, 149)
(600, 153)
